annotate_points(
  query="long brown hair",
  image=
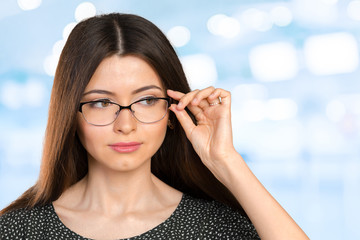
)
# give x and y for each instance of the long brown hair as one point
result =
(64, 159)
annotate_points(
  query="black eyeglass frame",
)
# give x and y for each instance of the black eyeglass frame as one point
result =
(168, 99)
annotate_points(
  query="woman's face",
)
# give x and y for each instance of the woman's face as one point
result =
(126, 144)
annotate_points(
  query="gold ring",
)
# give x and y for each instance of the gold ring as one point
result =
(215, 103)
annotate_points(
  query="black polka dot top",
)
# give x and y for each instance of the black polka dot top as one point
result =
(192, 219)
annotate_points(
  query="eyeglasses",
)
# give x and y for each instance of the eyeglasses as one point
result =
(103, 112)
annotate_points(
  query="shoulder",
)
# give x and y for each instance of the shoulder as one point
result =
(219, 221)
(15, 224)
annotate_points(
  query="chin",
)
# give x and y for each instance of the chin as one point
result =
(128, 164)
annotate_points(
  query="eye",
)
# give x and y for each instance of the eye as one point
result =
(100, 103)
(148, 101)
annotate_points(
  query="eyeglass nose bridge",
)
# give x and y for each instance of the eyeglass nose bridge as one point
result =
(122, 108)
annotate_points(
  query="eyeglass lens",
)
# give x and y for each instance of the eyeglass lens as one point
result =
(102, 113)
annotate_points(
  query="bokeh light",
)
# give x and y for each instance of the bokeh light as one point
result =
(84, 10)
(353, 10)
(27, 5)
(281, 16)
(331, 53)
(67, 29)
(15, 95)
(274, 61)
(200, 70)
(222, 25)
(315, 12)
(335, 110)
(179, 36)
(257, 20)
(281, 109)
(50, 64)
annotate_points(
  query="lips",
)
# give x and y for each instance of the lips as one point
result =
(125, 147)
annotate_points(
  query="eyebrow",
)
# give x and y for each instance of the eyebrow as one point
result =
(99, 91)
(146, 88)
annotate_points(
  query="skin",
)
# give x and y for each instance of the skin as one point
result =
(120, 198)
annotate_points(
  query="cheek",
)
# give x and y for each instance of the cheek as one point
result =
(86, 135)
(80, 128)
(163, 128)
(156, 134)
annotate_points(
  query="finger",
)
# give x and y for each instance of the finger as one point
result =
(224, 95)
(184, 119)
(201, 95)
(219, 96)
(176, 95)
(215, 95)
(214, 98)
(185, 100)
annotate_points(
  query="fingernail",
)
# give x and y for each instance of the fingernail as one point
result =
(179, 104)
(194, 100)
(172, 108)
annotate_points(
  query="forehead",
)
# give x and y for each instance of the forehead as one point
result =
(123, 73)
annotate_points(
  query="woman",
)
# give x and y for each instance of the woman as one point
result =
(131, 152)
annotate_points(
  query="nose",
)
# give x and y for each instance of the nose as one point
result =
(125, 122)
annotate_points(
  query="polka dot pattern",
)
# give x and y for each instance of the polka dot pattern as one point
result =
(193, 219)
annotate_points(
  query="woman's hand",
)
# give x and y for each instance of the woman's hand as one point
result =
(212, 136)
(212, 140)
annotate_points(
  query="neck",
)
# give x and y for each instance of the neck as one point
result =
(105, 191)
(110, 191)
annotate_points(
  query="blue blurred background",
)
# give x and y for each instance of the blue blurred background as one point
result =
(292, 68)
